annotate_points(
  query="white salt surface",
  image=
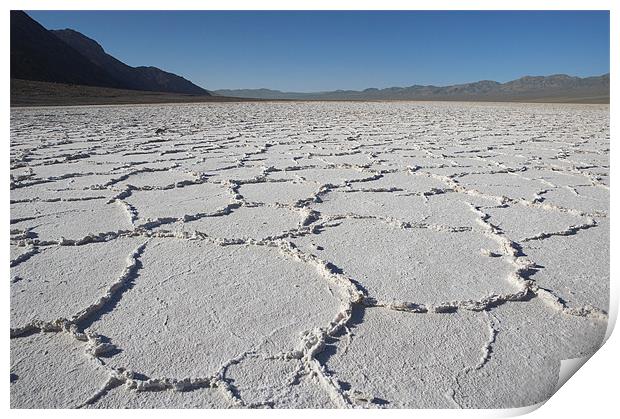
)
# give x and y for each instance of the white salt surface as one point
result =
(307, 255)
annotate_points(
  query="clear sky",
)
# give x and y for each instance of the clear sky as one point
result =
(327, 50)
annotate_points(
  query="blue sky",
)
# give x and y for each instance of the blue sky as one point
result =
(326, 50)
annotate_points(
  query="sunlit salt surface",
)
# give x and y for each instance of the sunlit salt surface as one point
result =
(388, 255)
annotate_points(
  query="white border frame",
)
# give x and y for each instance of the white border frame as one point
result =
(591, 392)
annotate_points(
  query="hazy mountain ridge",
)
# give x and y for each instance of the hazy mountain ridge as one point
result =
(528, 87)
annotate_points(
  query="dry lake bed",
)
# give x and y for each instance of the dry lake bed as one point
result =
(391, 255)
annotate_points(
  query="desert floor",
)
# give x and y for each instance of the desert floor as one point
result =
(418, 255)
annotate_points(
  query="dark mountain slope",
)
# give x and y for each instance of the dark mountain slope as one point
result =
(36, 54)
(137, 78)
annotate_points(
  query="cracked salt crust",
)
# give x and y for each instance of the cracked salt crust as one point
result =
(455, 209)
(197, 199)
(212, 165)
(281, 382)
(403, 181)
(503, 184)
(420, 265)
(278, 192)
(236, 173)
(158, 179)
(557, 178)
(193, 321)
(56, 191)
(361, 160)
(589, 199)
(204, 398)
(333, 175)
(63, 280)
(51, 221)
(305, 254)
(257, 223)
(49, 370)
(539, 221)
(517, 326)
(568, 264)
(424, 352)
(380, 204)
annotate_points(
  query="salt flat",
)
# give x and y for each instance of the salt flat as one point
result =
(389, 255)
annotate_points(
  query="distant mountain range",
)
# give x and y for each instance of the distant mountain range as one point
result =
(67, 56)
(558, 87)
